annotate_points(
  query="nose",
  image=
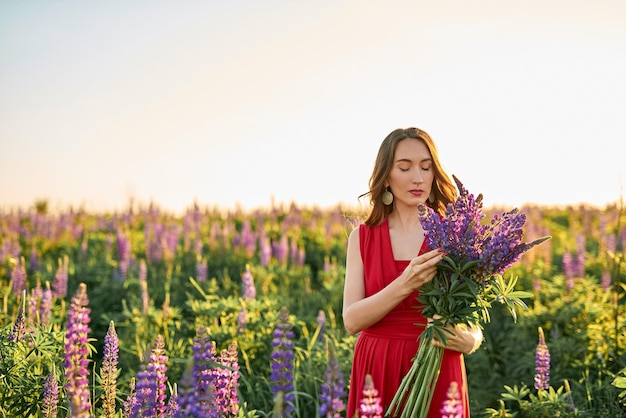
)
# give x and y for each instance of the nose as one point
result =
(417, 177)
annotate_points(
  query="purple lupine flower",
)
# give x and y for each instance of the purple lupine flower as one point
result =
(50, 396)
(226, 380)
(242, 320)
(280, 249)
(77, 354)
(34, 302)
(45, 308)
(150, 388)
(461, 235)
(265, 250)
(281, 362)
(18, 277)
(186, 399)
(19, 326)
(59, 284)
(542, 364)
(172, 407)
(143, 284)
(606, 280)
(333, 388)
(204, 354)
(131, 400)
(123, 253)
(569, 270)
(248, 291)
(108, 371)
(34, 259)
(321, 323)
(370, 405)
(452, 407)
(201, 270)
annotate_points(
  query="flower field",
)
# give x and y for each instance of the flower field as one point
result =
(226, 312)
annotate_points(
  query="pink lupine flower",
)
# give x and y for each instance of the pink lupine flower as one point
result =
(370, 406)
(542, 363)
(452, 407)
(77, 354)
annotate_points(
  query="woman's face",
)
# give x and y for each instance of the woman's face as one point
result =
(411, 176)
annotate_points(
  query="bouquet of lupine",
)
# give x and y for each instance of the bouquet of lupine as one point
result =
(469, 280)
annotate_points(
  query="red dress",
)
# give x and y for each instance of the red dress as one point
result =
(385, 349)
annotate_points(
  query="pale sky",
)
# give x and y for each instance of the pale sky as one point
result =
(241, 102)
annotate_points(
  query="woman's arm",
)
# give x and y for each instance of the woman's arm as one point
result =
(360, 312)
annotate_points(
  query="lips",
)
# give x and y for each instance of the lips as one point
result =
(416, 192)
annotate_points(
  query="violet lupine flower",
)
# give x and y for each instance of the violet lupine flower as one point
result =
(45, 308)
(186, 399)
(370, 405)
(77, 354)
(281, 363)
(461, 235)
(50, 396)
(226, 380)
(248, 291)
(123, 253)
(452, 407)
(59, 284)
(34, 303)
(568, 270)
(204, 354)
(606, 280)
(19, 326)
(280, 249)
(542, 364)
(201, 270)
(321, 323)
(242, 320)
(333, 388)
(172, 407)
(33, 260)
(143, 284)
(131, 400)
(150, 388)
(265, 250)
(108, 371)
(18, 277)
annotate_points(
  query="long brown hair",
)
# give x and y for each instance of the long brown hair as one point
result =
(443, 190)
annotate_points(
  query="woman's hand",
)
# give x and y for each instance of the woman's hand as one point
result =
(420, 270)
(465, 339)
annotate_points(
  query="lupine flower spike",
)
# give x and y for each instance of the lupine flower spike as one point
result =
(151, 384)
(542, 363)
(108, 372)
(281, 362)
(370, 406)
(77, 355)
(452, 407)
(248, 291)
(227, 381)
(50, 396)
(333, 388)
(19, 327)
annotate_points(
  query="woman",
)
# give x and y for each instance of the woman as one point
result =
(387, 262)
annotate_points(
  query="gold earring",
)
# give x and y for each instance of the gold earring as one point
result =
(387, 197)
(431, 197)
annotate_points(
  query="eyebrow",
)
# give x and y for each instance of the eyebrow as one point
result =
(408, 160)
